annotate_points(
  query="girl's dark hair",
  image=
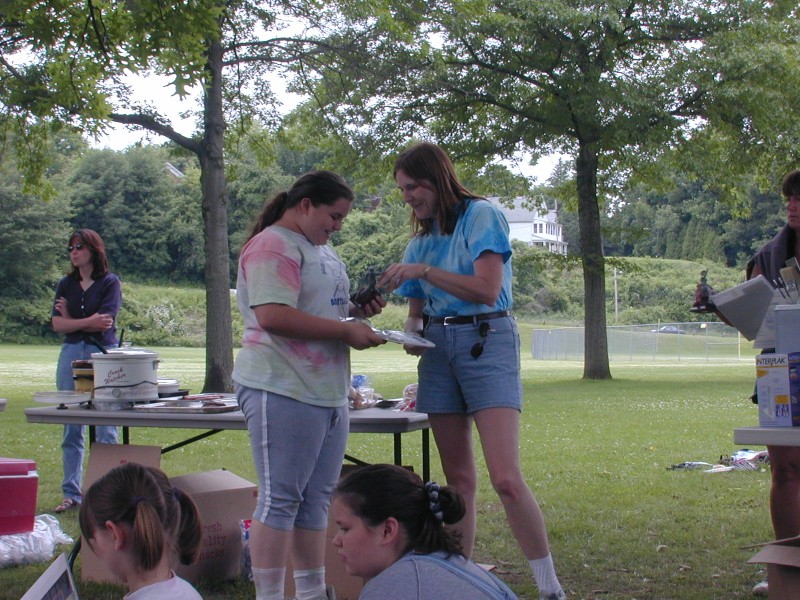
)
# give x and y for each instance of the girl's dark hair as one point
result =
(321, 187)
(92, 240)
(376, 492)
(791, 184)
(428, 162)
(160, 516)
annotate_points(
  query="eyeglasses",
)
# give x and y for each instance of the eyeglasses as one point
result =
(76, 247)
(477, 349)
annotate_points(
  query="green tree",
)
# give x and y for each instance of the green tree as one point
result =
(604, 83)
(251, 185)
(375, 238)
(63, 65)
(135, 203)
(33, 237)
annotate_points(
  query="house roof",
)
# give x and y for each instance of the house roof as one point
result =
(519, 214)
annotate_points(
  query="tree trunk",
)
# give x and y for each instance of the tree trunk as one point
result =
(219, 330)
(595, 354)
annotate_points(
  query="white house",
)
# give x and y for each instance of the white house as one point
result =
(533, 227)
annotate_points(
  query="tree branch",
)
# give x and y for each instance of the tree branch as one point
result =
(150, 123)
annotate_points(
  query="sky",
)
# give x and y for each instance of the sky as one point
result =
(158, 90)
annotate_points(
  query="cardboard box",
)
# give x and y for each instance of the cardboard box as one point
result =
(782, 558)
(778, 388)
(19, 488)
(223, 500)
(103, 458)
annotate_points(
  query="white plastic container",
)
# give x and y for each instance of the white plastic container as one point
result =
(123, 376)
(167, 387)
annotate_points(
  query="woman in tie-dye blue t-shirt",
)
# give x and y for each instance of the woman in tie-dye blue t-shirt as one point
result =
(457, 275)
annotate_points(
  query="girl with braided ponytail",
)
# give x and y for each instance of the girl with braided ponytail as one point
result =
(391, 532)
(137, 524)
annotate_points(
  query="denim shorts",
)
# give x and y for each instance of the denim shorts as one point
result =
(452, 381)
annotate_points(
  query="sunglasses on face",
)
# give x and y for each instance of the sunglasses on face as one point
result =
(477, 349)
(76, 247)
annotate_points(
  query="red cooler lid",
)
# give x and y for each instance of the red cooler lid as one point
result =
(16, 466)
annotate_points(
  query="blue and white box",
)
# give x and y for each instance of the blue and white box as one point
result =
(778, 388)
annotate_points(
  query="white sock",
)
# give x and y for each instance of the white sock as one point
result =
(309, 584)
(545, 575)
(269, 583)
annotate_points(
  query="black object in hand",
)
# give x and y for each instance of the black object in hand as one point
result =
(367, 291)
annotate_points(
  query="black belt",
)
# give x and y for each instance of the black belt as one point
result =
(465, 320)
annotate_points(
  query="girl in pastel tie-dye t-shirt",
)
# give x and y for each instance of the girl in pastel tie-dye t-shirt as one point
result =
(292, 375)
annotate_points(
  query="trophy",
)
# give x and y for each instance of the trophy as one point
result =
(702, 296)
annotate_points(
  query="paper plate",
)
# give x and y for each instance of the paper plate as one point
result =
(188, 407)
(405, 338)
(64, 397)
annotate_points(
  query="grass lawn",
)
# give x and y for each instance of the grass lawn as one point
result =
(596, 454)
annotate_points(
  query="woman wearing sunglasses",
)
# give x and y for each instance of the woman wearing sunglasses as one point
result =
(87, 301)
(456, 273)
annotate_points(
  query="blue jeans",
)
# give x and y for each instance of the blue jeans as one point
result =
(72, 445)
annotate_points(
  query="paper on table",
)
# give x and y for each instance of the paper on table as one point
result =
(746, 305)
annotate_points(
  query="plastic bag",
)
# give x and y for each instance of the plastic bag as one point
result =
(362, 394)
(409, 398)
(245, 563)
(34, 546)
(358, 381)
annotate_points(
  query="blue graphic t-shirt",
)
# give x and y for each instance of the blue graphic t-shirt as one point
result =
(480, 228)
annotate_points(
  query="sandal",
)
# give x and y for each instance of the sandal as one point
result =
(67, 504)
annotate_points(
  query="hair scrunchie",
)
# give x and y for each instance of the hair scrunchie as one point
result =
(137, 499)
(432, 488)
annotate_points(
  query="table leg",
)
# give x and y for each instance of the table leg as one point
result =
(355, 461)
(398, 449)
(426, 455)
(190, 440)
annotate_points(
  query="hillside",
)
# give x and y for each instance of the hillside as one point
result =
(648, 290)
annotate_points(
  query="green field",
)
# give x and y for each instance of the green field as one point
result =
(596, 454)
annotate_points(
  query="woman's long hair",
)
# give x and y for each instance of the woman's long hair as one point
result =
(428, 162)
(321, 187)
(92, 240)
(376, 492)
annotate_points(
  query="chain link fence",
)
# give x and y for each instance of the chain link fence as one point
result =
(655, 341)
